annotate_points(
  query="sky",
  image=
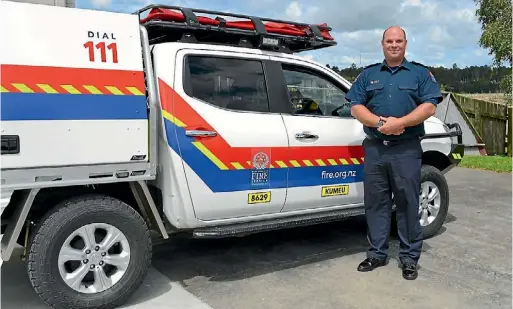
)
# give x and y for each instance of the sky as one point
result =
(439, 32)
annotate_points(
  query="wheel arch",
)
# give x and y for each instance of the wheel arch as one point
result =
(22, 217)
(436, 159)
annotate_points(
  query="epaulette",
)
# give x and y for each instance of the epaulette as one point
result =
(418, 63)
(372, 65)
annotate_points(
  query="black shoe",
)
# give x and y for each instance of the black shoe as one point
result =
(410, 271)
(370, 264)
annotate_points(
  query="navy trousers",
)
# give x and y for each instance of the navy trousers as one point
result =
(393, 168)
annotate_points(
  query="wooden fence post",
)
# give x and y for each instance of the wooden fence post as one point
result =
(509, 129)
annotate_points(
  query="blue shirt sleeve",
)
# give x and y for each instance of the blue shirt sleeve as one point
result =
(429, 90)
(357, 94)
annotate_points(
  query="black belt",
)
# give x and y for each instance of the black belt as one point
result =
(391, 142)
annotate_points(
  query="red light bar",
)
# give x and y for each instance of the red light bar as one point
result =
(271, 27)
(166, 23)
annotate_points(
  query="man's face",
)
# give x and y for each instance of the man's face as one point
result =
(394, 44)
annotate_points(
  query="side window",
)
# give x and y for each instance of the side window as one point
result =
(312, 93)
(236, 84)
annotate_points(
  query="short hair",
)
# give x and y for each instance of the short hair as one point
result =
(404, 32)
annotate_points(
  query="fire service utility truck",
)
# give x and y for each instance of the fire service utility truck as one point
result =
(120, 129)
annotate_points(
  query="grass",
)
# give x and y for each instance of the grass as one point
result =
(500, 164)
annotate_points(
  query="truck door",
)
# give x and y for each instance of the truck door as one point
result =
(325, 140)
(226, 135)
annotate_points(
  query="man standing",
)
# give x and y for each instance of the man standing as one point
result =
(392, 99)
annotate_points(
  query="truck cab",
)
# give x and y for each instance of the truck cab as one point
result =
(249, 134)
(258, 137)
(166, 121)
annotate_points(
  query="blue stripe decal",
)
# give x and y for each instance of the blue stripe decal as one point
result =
(41, 106)
(240, 180)
(325, 175)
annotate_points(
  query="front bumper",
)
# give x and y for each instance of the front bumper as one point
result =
(457, 153)
(457, 149)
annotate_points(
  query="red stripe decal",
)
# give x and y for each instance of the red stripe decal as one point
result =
(226, 153)
(77, 77)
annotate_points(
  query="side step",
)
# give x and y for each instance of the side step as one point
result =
(239, 229)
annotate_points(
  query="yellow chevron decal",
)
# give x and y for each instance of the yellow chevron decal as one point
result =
(456, 156)
(70, 89)
(320, 162)
(343, 161)
(23, 88)
(210, 155)
(47, 88)
(295, 163)
(332, 162)
(114, 90)
(237, 165)
(281, 164)
(92, 89)
(134, 91)
(173, 119)
(308, 163)
(278, 164)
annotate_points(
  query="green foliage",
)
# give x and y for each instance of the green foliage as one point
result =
(474, 79)
(495, 18)
(506, 87)
(501, 164)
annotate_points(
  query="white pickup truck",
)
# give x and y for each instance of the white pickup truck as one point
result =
(118, 129)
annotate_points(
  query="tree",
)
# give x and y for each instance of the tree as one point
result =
(495, 19)
(473, 79)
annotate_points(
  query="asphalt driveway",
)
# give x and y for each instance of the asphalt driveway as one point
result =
(468, 265)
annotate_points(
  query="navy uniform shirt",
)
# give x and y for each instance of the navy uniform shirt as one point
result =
(394, 92)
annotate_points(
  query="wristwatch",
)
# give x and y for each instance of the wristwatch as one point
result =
(380, 122)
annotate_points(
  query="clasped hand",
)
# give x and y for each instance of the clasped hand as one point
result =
(392, 126)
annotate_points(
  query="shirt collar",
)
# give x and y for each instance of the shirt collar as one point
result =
(405, 64)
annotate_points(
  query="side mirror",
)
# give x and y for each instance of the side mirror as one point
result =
(342, 111)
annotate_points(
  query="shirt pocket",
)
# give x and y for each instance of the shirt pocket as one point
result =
(374, 90)
(408, 86)
(409, 89)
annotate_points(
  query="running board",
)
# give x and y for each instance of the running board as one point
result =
(253, 227)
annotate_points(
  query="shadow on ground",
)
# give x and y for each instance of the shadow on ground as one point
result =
(182, 259)
(239, 258)
(17, 292)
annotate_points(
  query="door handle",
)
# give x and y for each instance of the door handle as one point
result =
(200, 133)
(306, 135)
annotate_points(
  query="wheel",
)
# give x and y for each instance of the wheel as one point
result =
(434, 200)
(89, 252)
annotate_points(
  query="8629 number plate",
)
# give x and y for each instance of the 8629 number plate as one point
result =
(259, 197)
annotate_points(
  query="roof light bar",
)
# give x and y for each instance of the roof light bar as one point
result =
(167, 23)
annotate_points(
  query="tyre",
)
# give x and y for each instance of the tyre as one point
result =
(89, 252)
(434, 200)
